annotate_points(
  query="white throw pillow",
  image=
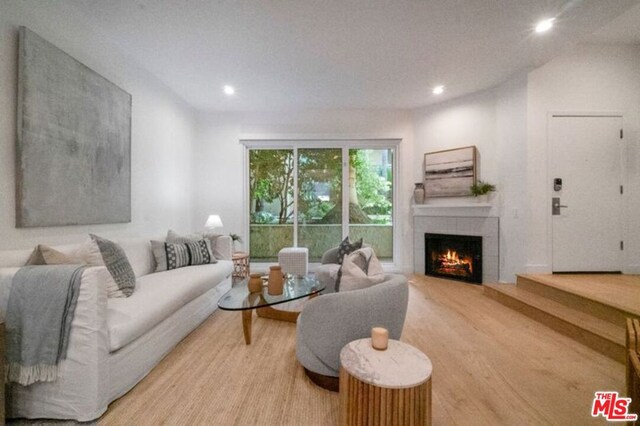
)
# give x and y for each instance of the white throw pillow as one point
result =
(360, 269)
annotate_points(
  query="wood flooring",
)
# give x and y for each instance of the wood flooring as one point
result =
(491, 365)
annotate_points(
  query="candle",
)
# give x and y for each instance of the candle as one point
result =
(379, 338)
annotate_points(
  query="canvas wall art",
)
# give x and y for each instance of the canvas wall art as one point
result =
(74, 141)
(449, 173)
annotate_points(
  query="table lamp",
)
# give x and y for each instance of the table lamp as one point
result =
(213, 222)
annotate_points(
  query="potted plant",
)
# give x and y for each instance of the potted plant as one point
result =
(234, 238)
(480, 189)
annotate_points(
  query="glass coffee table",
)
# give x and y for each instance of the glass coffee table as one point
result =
(239, 299)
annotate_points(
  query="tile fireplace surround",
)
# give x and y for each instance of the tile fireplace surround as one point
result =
(463, 219)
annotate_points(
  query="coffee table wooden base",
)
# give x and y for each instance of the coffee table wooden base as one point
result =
(267, 312)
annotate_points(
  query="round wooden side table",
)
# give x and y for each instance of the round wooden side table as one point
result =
(240, 264)
(390, 387)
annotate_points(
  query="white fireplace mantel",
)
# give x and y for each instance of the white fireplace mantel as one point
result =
(464, 209)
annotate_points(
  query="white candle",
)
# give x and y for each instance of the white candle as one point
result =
(379, 338)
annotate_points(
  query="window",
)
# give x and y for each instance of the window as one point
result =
(309, 196)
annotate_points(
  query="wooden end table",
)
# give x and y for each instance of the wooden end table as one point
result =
(240, 264)
(384, 387)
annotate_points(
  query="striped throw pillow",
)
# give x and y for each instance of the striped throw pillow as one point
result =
(177, 255)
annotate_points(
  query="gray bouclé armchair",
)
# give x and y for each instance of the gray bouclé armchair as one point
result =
(330, 321)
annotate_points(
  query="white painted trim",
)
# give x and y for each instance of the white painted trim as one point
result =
(540, 268)
(323, 137)
(633, 268)
(246, 208)
(295, 196)
(548, 220)
(345, 191)
(397, 253)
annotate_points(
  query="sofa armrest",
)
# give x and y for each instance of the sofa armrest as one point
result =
(330, 321)
(223, 249)
(81, 391)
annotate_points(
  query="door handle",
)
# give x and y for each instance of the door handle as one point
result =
(556, 206)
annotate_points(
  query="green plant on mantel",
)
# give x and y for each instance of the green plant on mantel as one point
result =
(481, 188)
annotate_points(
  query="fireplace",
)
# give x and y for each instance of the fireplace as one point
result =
(457, 257)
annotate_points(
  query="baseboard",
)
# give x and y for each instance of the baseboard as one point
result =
(540, 268)
(632, 269)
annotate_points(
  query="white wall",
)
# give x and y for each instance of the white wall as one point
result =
(592, 78)
(495, 122)
(161, 139)
(511, 153)
(218, 158)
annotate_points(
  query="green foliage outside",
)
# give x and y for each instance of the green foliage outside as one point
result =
(320, 186)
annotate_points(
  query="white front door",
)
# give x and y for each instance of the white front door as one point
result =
(586, 154)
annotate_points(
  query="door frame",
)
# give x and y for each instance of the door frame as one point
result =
(549, 191)
(344, 142)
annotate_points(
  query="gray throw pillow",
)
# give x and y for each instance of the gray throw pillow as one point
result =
(177, 255)
(346, 247)
(114, 258)
(359, 270)
(173, 237)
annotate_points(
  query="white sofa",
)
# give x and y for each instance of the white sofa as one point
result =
(114, 343)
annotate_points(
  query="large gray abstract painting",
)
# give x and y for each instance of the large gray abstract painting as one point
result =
(74, 141)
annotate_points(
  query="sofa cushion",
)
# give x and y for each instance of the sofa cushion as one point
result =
(158, 296)
(138, 251)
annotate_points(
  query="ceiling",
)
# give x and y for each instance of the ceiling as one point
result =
(623, 29)
(307, 54)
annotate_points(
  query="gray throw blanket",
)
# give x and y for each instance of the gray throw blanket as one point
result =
(39, 313)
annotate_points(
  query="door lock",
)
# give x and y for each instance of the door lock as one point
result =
(557, 184)
(556, 206)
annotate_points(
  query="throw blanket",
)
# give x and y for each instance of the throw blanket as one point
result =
(41, 306)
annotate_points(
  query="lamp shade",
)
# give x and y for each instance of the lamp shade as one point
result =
(213, 221)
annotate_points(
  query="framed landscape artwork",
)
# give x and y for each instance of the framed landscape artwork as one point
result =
(450, 173)
(74, 141)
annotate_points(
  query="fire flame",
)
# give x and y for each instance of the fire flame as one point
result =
(451, 260)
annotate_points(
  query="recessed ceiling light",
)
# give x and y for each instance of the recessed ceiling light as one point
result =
(544, 25)
(228, 90)
(438, 90)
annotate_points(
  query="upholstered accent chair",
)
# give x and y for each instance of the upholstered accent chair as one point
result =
(330, 321)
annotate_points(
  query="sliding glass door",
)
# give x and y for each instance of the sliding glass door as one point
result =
(319, 199)
(271, 180)
(371, 199)
(298, 197)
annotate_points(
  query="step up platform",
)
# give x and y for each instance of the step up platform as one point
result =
(590, 308)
